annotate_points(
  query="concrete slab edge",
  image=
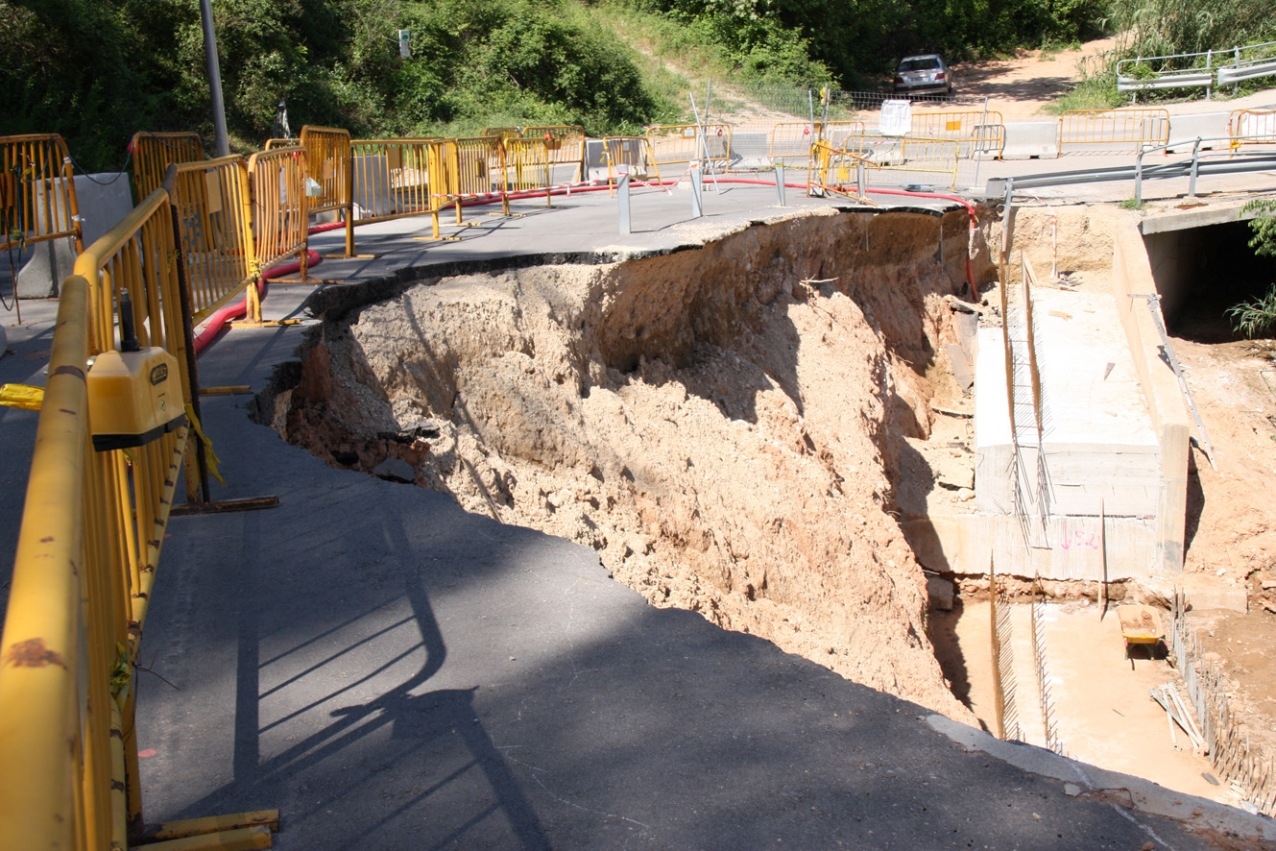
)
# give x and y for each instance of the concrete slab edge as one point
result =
(1145, 796)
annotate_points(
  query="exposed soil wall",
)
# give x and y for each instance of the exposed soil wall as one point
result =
(721, 424)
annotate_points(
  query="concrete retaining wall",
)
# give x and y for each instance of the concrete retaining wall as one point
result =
(1131, 280)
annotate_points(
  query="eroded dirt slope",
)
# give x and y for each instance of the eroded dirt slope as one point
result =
(718, 423)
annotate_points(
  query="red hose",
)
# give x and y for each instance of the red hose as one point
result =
(220, 319)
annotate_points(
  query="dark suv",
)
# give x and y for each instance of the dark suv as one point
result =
(927, 74)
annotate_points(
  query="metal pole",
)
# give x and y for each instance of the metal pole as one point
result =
(214, 79)
(1138, 177)
(983, 128)
(697, 203)
(779, 182)
(1196, 163)
(623, 197)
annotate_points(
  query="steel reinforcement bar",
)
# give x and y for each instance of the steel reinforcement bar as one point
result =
(1230, 750)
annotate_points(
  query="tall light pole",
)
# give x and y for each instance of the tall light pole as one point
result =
(214, 78)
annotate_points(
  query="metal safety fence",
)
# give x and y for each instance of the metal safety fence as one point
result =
(682, 144)
(153, 153)
(833, 169)
(391, 178)
(1106, 129)
(280, 215)
(631, 155)
(102, 482)
(564, 150)
(212, 202)
(37, 192)
(1251, 127)
(527, 165)
(793, 140)
(978, 131)
(330, 176)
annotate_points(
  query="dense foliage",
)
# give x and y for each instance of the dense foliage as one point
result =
(97, 70)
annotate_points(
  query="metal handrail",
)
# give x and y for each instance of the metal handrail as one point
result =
(1239, 163)
(1194, 76)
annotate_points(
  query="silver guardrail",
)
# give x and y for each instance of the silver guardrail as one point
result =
(1196, 166)
(1185, 70)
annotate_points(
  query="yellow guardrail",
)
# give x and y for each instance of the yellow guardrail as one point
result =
(1114, 128)
(792, 140)
(464, 169)
(564, 150)
(391, 178)
(92, 530)
(683, 144)
(978, 130)
(527, 166)
(154, 152)
(280, 216)
(632, 152)
(37, 191)
(214, 221)
(102, 483)
(328, 167)
(834, 169)
(1251, 127)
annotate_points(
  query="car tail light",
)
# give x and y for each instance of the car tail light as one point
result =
(939, 76)
(899, 79)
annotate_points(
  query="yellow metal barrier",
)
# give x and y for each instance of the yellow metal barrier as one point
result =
(1114, 128)
(978, 130)
(391, 178)
(92, 531)
(926, 156)
(503, 132)
(834, 169)
(792, 140)
(212, 201)
(328, 166)
(527, 165)
(154, 152)
(280, 218)
(683, 144)
(564, 148)
(37, 191)
(633, 153)
(837, 132)
(91, 535)
(1251, 127)
(464, 169)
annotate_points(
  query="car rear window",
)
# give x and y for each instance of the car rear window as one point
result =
(919, 63)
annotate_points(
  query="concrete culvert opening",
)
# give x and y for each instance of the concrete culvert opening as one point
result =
(731, 427)
(1202, 270)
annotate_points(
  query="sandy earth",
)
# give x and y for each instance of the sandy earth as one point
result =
(686, 427)
(718, 424)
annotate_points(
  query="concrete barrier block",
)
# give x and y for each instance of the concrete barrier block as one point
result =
(1184, 130)
(103, 200)
(1030, 140)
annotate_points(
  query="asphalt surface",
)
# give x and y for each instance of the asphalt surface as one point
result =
(394, 673)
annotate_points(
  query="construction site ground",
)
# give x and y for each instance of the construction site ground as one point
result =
(299, 656)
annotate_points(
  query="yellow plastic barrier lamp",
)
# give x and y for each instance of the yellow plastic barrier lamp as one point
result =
(134, 394)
